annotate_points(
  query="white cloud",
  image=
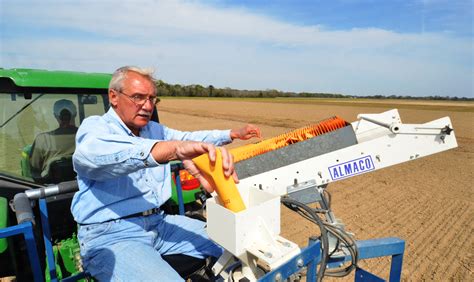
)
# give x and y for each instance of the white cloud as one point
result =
(190, 42)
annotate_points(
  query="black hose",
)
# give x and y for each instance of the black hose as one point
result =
(342, 237)
(351, 245)
(290, 203)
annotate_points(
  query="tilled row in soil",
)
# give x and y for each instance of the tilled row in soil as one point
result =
(427, 202)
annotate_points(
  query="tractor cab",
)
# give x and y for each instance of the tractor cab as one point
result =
(40, 112)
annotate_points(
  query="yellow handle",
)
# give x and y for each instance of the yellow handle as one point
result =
(224, 186)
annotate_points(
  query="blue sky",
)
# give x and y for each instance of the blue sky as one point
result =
(365, 47)
(395, 15)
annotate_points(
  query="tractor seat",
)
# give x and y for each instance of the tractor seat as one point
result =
(60, 170)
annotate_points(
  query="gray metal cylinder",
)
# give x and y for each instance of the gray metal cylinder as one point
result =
(23, 209)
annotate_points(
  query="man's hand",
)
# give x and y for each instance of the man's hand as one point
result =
(187, 150)
(246, 132)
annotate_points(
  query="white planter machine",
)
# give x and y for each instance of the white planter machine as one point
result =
(297, 175)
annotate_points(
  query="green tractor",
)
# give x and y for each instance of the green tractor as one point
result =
(32, 104)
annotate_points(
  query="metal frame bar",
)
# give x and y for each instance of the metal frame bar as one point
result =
(309, 256)
(362, 275)
(179, 193)
(49, 247)
(391, 246)
(175, 168)
(47, 240)
(26, 228)
(312, 274)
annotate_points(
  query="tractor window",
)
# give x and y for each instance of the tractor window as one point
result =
(37, 132)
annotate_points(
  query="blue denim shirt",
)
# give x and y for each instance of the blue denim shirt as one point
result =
(116, 172)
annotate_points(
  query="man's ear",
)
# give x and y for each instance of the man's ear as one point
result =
(113, 98)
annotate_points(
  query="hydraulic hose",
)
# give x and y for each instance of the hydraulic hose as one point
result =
(326, 228)
(290, 203)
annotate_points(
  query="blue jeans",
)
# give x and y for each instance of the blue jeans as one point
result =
(131, 249)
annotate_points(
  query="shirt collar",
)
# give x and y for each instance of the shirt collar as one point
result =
(111, 115)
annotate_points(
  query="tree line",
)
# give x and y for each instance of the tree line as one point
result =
(196, 90)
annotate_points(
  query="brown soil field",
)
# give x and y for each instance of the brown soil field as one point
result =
(428, 202)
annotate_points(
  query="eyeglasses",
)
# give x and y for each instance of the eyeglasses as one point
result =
(139, 99)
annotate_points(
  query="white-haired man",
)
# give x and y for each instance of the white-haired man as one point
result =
(121, 160)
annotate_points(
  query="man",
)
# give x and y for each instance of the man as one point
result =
(54, 145)
(121, 160)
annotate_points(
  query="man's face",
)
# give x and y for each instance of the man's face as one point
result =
(134, 115)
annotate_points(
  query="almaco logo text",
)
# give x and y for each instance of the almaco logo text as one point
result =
(351, 168)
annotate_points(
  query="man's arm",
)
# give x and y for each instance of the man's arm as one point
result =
(101, 155)
(185, 151)
(216, 137)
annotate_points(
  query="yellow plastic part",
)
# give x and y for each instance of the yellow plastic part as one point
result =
(224, 186)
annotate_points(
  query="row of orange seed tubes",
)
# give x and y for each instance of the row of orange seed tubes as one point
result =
(280, 141)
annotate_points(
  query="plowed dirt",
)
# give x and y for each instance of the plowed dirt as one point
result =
(428, 202)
